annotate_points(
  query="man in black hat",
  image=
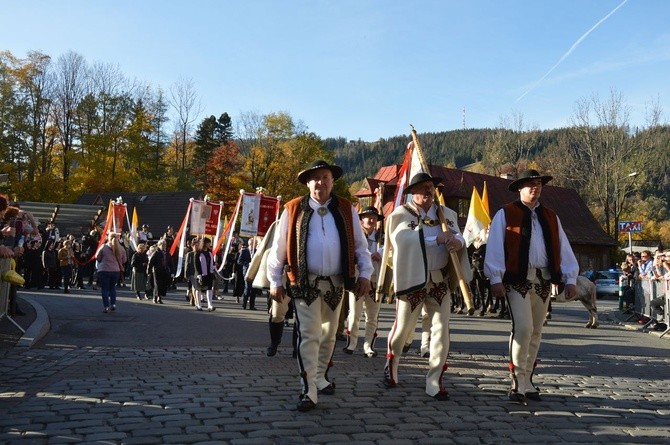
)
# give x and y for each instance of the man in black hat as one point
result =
(527, 253)
(321, 241)
(423, 276)
(369, 218)
(144, 236)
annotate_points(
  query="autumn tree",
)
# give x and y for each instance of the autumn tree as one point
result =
(223, 179)
(606, 159)
(264, 149)
(12, 116)
(298, 152)
(211, 134)
(184, 101)
(35, 84)
(512, 143)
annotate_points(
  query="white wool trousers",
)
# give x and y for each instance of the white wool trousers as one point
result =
(317, 329)
(278, 310)
(209, 294)
(528, 314)
(358, 306)
(405, 324)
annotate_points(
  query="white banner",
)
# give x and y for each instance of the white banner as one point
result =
(251, 205)
(205, 217)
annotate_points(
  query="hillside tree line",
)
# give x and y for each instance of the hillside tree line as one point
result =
(68, 126)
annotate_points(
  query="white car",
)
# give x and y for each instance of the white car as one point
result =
(607, 282)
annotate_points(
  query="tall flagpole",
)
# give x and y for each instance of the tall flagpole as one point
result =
(462, 284)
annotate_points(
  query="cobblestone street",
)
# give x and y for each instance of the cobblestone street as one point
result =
(235, 394)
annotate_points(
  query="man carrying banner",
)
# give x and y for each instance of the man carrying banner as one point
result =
(321, 241)
(369, 218)
(527, 253)
(423, 276)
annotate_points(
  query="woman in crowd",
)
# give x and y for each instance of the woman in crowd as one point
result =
(205, 269)
(50, 264)
(159, 267)
(110, 265)
(66, 260)
(139, 263)
(189, 270)
(80, 261)
(149, 293)
(33, 262)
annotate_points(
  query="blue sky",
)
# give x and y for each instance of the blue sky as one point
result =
(367, 69)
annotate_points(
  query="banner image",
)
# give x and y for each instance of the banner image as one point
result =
(269, 208)
(250, 213)
(258, 213)
(119, 212)
(205, 218)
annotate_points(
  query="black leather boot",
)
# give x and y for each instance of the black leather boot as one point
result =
(276, 333)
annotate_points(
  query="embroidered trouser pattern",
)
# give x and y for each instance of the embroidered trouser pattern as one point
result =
(436, 301)
(357, 306)
(316, 318)
(528, 309)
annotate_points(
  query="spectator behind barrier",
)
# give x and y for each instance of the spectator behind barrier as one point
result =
(662, 277)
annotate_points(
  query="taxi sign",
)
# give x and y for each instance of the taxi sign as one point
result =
(630, 226)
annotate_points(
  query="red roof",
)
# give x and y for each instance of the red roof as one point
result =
(579, 224)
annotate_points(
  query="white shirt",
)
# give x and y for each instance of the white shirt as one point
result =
(324, 253)
(374, 246)
(494, 264)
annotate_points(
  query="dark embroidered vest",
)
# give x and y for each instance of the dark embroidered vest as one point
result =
(299, 214)
(517, 242)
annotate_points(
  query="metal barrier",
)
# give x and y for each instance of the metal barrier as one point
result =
(645, 292)
(666, 309)
(5, 290)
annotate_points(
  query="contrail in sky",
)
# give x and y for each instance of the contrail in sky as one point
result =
(572, 48)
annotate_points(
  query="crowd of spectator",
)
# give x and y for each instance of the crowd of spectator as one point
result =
(50, 260)
(648, 277)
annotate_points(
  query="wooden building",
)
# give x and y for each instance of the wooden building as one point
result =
(156, 209)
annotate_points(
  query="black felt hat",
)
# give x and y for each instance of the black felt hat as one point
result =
(418, 179)
(527, 176)
(303, 176)
(370, 210)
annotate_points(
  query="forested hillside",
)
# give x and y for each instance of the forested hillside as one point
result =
(457, 148)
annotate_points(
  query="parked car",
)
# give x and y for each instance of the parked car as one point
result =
(607, 282)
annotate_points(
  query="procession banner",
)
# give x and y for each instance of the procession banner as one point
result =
(205, 217)
(133, 227)
(119, 213)
(180, 239)
(227, 232)
(485, 201)
(477, 224)
(113, 224)
(411, 166)
(258, 213)
(251, 204)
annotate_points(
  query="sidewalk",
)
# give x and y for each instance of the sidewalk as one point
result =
(630, 321)
(9, 333)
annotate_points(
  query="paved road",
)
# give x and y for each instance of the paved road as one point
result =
(168, 374)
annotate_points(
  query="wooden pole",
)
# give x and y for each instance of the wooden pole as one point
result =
(462, 284)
